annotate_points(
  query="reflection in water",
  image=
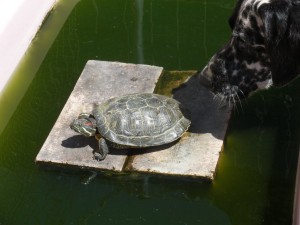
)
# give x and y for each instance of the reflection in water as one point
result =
(91, 177)
(96, 16)
(139, 30)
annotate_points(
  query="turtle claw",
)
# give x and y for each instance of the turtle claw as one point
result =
(99, 157)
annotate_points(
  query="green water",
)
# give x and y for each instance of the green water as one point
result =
(256, 172)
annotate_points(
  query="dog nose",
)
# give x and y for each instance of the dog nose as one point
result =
(205, 78)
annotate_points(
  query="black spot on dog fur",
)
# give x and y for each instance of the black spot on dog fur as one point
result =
(264, 47)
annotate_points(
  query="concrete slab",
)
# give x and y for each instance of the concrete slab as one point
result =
(98, 82)
(196, 154)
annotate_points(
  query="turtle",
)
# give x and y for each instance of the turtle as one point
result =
(137, 120)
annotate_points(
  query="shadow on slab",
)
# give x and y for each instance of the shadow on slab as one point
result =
(80, 141)
(206, 114)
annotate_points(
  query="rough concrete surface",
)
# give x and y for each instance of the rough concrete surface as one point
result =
(196, 154)
(98, 82)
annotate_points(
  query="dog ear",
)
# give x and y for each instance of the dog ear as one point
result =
(294, 21)
(281, 21)
(233, 18)
(275, 21)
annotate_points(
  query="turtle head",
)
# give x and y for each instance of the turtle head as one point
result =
(85, 124)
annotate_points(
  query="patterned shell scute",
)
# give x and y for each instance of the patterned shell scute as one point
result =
(141, 120)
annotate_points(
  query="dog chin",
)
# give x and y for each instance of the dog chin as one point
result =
(264, 84)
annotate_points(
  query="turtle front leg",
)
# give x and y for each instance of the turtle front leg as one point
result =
(101, 153)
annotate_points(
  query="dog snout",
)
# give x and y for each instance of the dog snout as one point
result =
(205, 79)
(215, 68)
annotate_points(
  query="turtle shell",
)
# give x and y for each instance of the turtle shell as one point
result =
(141, 120)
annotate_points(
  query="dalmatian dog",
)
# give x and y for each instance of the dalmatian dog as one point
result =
(264, 49)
